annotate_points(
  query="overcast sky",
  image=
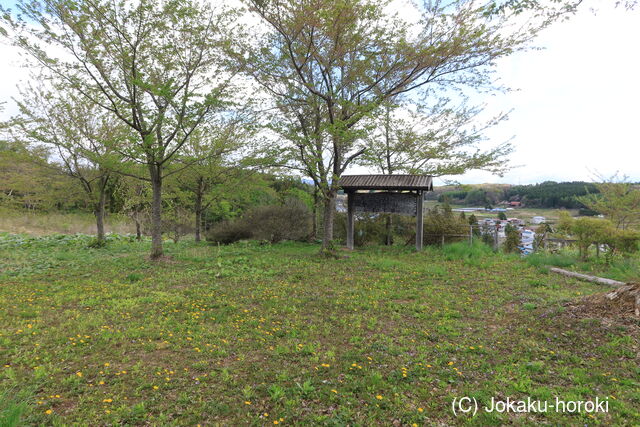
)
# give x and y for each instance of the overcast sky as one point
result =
(576, 111)
(575, 107)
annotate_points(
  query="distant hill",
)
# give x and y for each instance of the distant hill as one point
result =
(549, 194)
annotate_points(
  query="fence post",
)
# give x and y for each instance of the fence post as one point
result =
(471, 235)
(495, 239)
(350, 225)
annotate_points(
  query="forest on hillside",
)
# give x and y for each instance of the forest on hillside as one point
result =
(548, 194)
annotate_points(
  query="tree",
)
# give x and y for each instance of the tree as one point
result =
(433, 141)
(618, 199)
(438, 140)
(587, 231)
(512, 239)
(157, 66)
(211, 154)
(329, 64)
(83, 139)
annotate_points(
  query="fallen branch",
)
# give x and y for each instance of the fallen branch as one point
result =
(594, 279)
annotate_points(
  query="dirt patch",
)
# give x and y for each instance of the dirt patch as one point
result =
(621, 305)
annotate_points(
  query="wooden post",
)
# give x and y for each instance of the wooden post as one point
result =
(419, 221)
(471, 235)
(350, 224)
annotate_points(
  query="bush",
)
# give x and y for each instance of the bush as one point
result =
(226, 232)
(622, 241)
(273, 223)
(177, 222)
(439, 222)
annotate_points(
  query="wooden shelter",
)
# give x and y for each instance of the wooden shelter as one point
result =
(401, 194)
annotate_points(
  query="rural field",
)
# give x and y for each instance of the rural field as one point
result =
(251, 334)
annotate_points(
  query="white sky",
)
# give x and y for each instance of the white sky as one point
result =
(575, 110)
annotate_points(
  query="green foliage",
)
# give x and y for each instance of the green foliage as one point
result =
(477, 198)
(502, 216)
(594, 231)
(440, 221)
(436, 140)
(273, 223)
(229, 231)
(512, 239)
(13, 406)
(291, 221)
(550, 194)
(618, 200)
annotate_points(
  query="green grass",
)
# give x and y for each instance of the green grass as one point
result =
(623, 268)
(44, 223)
(251, 334)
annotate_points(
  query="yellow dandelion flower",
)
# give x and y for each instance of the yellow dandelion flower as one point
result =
(48, 411)
(420, 409)
(379, 397)
(79, 374)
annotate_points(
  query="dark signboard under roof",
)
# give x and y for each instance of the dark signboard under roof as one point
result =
(386, 182)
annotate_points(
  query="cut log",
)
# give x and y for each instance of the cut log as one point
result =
(630, 291)
(594, 279)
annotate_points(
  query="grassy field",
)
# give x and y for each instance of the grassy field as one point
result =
(525, 213)
(264, 335)
(42, 223)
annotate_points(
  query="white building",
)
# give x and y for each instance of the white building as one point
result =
(538, 219)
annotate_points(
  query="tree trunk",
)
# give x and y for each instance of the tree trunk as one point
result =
(99, 213)
(315, 211)
(156, 212)
(586, 277)
(327, 220)
(138, 231)
(198, 209)
(198, 219)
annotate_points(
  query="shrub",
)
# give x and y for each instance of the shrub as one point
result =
(622, 241)
(273, 223)
(226, 232)
(439, 222)
(177, 222)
